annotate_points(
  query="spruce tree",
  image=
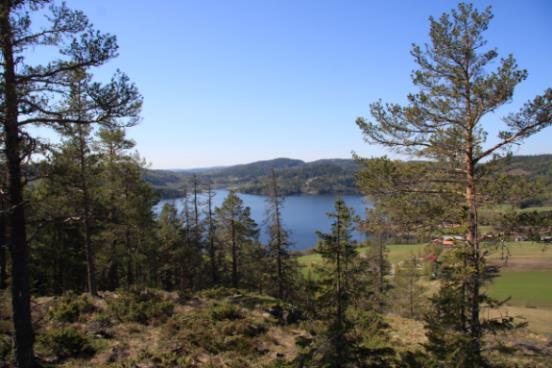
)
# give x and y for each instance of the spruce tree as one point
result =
(337, 346)
(211, 235)
(282, 268)
(236, 230)
(190, 256)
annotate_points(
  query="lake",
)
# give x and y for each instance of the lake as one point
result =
(302, 215)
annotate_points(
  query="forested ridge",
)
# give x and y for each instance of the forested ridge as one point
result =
(317, 177)
(91, 276)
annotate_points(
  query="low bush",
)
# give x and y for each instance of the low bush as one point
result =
(225, 311)
(70, 307)
(142, 306)
(222, 327)
(63, 343)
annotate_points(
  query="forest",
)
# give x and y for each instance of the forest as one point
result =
(92, 276)
(321, 176)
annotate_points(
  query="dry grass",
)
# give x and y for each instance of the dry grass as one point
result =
(539, 319)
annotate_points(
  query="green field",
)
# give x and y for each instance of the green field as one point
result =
(526, 288)
(526, 277)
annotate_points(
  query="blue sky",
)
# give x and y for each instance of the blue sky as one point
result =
(228, 82)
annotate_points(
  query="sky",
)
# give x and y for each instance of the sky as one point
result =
(228, 82)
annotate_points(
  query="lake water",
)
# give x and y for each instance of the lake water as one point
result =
(302, 215)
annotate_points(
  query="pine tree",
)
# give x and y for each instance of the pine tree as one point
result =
(3, 233)
(112, 147)
(443, 124)
(77, 145)
(30, 95)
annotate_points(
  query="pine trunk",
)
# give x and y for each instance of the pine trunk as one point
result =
(3, 242)
(21, 298)
(474, 287)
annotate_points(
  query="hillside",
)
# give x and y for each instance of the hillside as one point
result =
(222, 328)
(316, 177)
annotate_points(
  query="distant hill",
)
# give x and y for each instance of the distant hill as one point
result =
(530, 166)
(296, 176)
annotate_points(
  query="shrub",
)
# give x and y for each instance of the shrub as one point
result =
(219, 328)
(70, 307)
(142, 306)
(63, 343)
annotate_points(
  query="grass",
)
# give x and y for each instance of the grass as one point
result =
(396, 253)
(526, 277)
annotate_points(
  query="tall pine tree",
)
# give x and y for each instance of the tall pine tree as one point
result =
(443, 123)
